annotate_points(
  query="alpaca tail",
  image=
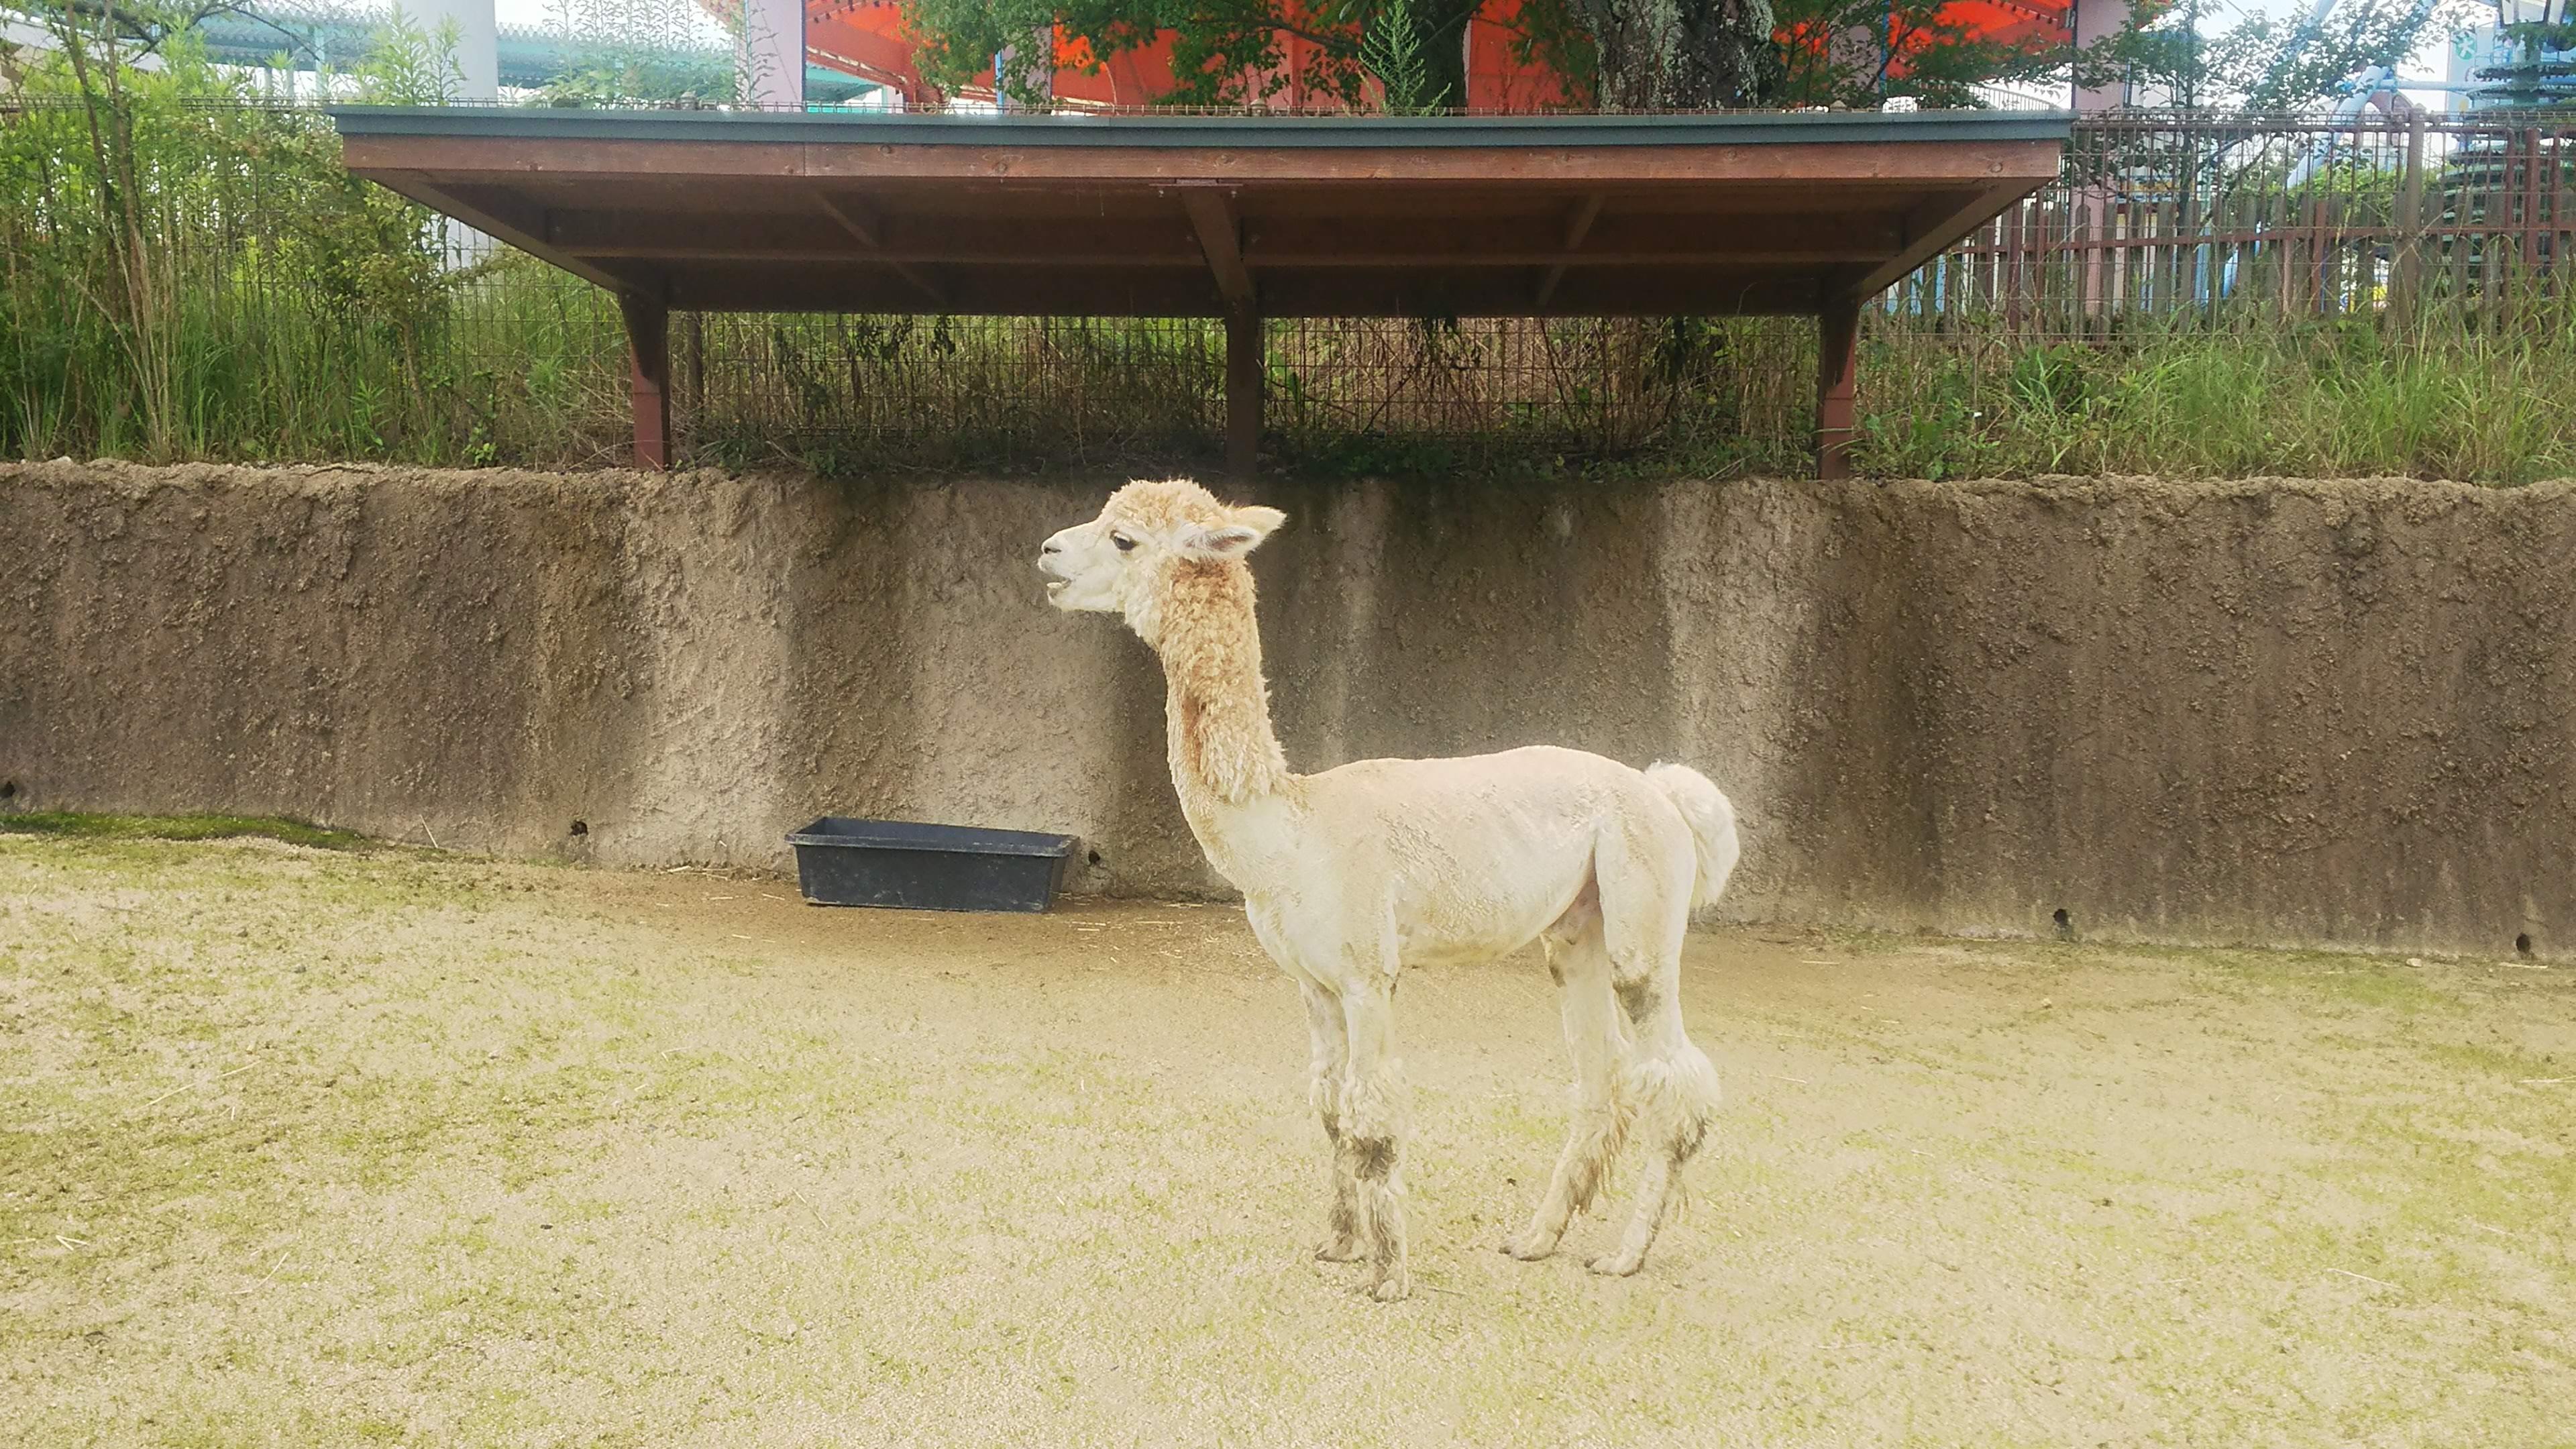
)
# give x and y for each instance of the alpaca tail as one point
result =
(1712, 821)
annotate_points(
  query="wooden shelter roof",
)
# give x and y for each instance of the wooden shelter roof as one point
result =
(1190, 215)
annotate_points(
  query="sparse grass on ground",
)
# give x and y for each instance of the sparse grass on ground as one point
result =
(313, 1147)
(180, 827)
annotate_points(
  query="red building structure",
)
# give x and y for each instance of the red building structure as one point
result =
(866, 39)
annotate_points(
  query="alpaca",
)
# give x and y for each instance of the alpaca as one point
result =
(1349, 875)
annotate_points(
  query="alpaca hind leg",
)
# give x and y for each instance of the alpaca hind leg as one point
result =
(1600, 1122)
(1325, 1089)
(1672, 1087)
(1647, 880)
(1373, 1125)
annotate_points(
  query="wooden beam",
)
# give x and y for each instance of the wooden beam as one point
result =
(826, 235)
(1933, 228)
(648, 375)
(1624, 239)
(501, 217)
(1428, 242)
(1575, 168)
(854, 286)
(908, 206)
(1837, 366)
(1221, 240)
(856, 217)
(755, 250)
(1247, 369)
(866, 228)
(1577, 223)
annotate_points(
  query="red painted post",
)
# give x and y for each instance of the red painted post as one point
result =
(648, 375)
(1837, 358)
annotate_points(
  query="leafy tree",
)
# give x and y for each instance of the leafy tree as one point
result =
(2265, 62)
(1610, 54)
(116, 178)
(1858, 53)
(1392, 52)
(1679, 53)
(621, 51)
(1853, 53)
(1224, 52)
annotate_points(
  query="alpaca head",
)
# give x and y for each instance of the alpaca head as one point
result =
(1149, 534)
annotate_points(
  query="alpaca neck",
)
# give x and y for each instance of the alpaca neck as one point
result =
(1217, 706)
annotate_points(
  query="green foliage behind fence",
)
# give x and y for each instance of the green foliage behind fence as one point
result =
(186, 271)
(190, 273)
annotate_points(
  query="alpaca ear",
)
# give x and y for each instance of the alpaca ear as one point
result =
(1240, 534)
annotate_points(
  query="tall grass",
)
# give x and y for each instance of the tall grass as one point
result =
(2445, 395)
(184, 277)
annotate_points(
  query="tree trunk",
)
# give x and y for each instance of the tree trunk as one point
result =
(1677, 54)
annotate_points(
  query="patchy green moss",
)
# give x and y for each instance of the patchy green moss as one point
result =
(182, 827)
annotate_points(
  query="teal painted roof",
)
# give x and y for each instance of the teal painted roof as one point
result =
(1736, 128)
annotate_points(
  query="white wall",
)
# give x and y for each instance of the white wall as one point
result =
(769, 59)
(477, 41)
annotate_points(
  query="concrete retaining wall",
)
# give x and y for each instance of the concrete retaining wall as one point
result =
(2272, 710)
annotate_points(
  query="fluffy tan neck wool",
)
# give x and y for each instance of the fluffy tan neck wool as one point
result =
(1217, 712)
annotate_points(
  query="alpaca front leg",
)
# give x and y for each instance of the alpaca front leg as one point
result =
(1325, 1090)
(1373, 1123)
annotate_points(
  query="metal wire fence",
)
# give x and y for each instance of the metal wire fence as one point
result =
(938, 391)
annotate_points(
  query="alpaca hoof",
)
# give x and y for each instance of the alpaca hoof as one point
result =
(1339, 1250)
(1392, 1288)
(1616, 1265)
(1529, 1247)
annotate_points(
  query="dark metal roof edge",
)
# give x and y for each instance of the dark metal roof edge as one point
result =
(1750, 128)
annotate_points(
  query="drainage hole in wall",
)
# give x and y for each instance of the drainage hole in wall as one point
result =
(581, 827)
(1093, 857)
(8, 789)
(2522, 944)
(2065, 922)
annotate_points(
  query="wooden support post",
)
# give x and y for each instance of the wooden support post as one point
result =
(1246, 370)
(648, 375)
(1837, 357)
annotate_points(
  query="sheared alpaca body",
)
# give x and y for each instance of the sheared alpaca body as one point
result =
(1350, 875)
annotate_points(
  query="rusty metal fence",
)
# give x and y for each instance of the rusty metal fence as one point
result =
(2186, 215)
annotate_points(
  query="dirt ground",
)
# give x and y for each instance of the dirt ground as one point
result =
(305, 1147)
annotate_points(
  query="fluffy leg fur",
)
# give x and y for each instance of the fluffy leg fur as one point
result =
(1601, 1116)
(1675, 1090)
(1330, 1041)
(1373, 1126)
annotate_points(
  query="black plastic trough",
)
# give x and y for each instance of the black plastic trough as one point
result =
(846, 862)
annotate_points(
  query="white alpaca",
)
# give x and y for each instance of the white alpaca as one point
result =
(1352, 874)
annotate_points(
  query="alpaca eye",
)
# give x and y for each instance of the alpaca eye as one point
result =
(1123, 541)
